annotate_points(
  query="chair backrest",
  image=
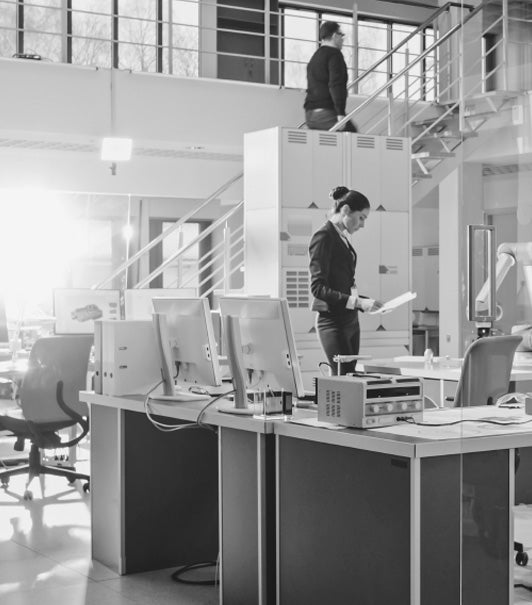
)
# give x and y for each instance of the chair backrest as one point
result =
(486, 370)
(52, 359)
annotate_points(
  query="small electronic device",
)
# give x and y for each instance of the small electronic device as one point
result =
(369, 400)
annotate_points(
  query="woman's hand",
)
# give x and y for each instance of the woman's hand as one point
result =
(376, 306)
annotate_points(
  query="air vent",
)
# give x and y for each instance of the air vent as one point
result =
(329, 140)
(297, 288)
(434, 251)
(493, 170)
(297, 250)
(297, 136)
(394, 144)
(301, 229)
(365, 142)
(417, 251)
(332, 404)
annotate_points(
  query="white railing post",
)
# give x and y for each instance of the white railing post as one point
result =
(180, 242)
(355, 46)
(461, 83)
(227, 257)
(407, 89)
(267, 50)
(505, 44)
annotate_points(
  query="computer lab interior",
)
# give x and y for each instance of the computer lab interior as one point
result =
(170, 429)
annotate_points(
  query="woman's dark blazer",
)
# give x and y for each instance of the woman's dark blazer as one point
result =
(332, 270)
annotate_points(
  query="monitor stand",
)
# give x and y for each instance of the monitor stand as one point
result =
(228, 407)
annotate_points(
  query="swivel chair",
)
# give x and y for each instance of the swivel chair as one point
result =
(49, 402)
(486, 370)
(485, 377)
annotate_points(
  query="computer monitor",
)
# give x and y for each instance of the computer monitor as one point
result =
(188, 349)
(268, 350)
(138, 301)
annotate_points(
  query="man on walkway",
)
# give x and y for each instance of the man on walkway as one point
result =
(327, 81)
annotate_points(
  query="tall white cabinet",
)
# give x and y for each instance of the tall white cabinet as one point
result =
(288, 174)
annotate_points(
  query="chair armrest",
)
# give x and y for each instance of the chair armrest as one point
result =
(83, 422)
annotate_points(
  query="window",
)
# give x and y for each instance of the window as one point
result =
(137, 32)
(8, 24)
(91, 32)
(300, 42)
(42, 29)
(183, 38)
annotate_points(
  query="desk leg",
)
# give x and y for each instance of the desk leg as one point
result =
(154, 495)
(247, 517)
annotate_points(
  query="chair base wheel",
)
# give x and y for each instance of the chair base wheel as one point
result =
(86, 487)
(521, 558)
(28, 495)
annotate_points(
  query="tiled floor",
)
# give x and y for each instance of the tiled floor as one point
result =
(45, 555)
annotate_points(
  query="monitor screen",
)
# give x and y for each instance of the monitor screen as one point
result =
(269, 354)
(188, 338)
(138, 301)
(4, 334)
(76, 309)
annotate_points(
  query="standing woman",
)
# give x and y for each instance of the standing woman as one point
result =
(332, 273)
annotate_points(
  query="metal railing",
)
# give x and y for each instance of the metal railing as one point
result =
(217, 224)
(380, 123)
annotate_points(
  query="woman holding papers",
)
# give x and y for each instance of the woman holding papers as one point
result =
(332, 272)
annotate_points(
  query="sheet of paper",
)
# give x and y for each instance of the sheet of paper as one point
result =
(395, 302)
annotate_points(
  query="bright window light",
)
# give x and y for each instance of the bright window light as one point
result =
(116, 150)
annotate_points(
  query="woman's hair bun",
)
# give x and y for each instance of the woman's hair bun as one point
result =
(338, 192)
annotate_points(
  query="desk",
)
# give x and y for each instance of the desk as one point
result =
(442, 370)
(376, 517)
(167, 499)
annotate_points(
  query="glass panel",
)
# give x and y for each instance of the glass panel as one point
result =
(188, 264)
(300, 42)
(42, 29)
(8, 43)
(91, 32)
(77, 240)
(185, 38)
(137, 35)
(412, 49)
(373, 45)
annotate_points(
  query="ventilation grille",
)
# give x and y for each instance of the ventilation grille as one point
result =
(297, 287)
(394, 144)
(297, 250)
(297, 136)
(493, 170)
(299, 228)
(137, 151)
(434, 251)
(50, 145)
(366, 142)
(332, 404)
(417, 251)
(329, 140)
(185, 154)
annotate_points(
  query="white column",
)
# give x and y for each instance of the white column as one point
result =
(461, 203)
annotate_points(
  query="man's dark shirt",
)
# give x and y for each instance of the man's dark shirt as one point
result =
(327, 80)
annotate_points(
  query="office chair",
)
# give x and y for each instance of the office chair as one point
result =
(49, 402)
(486, 370)
(485, 377)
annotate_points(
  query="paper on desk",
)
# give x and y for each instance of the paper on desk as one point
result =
(395, 302)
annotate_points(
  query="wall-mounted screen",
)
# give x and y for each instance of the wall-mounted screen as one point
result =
(76, 309)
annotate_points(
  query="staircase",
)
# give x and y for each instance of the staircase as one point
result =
(468, 92)
(444, 131)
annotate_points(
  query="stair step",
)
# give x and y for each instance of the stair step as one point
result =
(421, 175)
(447, 134)
(432, 155)
(499, 95)
(429, 121)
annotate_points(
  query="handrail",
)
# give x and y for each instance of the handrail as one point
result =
(156, 272)
(391, 52)
(407, 68)
(167, 232)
